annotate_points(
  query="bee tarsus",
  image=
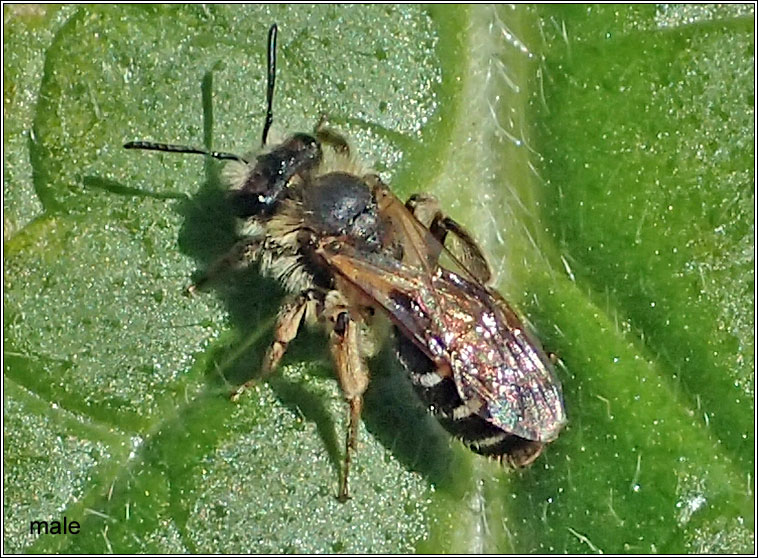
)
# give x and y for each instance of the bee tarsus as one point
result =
(241, 255)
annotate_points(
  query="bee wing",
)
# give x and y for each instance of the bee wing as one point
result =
(512, 376)
(386, 281)
(466, 330)
(420, 248)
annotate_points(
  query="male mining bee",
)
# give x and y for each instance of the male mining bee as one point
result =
(349, 252)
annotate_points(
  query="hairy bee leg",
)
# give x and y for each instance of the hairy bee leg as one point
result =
(242, 254)
(286, 328)
(524, 455)
(353, 377)
(351, 444)
(427, 210)
(331, 138)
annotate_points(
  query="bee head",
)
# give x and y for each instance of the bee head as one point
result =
(266, 178)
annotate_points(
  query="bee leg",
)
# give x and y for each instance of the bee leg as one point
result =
(352, 375)
(427, 210)
(287, 324)
(331, 138)
(522, 454)
(242, 254)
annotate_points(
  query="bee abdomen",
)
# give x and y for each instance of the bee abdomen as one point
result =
(456, 416)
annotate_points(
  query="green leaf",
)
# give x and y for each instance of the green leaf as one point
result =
(603, 157)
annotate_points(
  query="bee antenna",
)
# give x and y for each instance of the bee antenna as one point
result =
(172, 148)
(270, 82)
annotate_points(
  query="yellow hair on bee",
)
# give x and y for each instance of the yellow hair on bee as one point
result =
(334, 161)
(235, 173)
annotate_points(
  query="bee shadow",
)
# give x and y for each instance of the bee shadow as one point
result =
(395, 415)
(208, 232)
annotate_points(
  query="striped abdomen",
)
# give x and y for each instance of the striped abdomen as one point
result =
(457, 417)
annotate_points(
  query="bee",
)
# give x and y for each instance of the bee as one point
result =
(349, 253)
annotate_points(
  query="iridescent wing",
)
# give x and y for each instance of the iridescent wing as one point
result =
(512, 374)
(466, 330)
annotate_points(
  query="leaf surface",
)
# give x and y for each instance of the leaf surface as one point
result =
(602, 155)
